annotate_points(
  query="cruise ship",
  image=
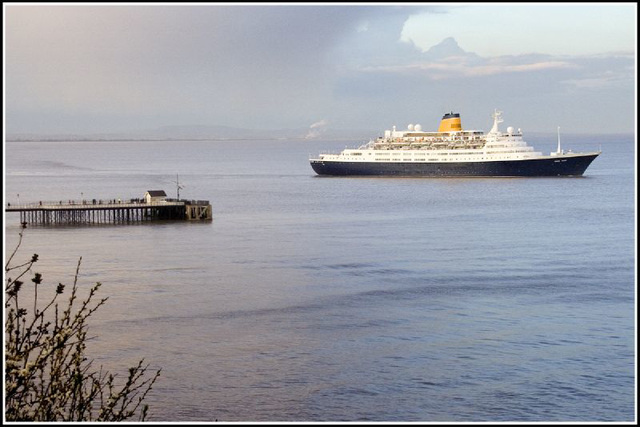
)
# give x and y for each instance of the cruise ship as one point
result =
(452, 152)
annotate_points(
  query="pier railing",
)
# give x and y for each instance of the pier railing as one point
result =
(113, 203)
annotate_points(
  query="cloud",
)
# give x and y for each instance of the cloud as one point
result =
(537, 87)
(321, 123)
(602, 72)
(316, 129)
(252, 66)
(447, 60)
(455, 69)
(103, 68)
(601, 82)
(514, 29)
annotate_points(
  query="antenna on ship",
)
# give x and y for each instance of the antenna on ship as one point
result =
(178, 187)
(558, 150)
(496, 119)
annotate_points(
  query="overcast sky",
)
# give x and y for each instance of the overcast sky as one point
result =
(104, 68)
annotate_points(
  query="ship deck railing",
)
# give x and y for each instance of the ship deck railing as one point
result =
(457, 145)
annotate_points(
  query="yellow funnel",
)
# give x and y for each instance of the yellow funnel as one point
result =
(450, 123)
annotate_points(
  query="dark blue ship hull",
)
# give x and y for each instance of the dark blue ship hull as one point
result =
(568, 165)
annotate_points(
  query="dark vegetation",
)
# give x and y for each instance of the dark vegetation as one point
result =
(48, 376)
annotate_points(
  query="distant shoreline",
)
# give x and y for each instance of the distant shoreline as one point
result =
(171, 139)
(80, 138)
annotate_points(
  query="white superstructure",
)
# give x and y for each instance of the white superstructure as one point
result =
(415, 145)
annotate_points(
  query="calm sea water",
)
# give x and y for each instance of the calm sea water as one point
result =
(345, 299)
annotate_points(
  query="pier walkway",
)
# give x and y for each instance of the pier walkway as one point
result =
(110, 211)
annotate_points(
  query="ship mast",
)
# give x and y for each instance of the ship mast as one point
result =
(496, 119)
(558, 150)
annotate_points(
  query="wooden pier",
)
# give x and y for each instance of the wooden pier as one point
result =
(111, 212)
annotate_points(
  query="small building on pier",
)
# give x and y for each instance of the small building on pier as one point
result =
(154, 196)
